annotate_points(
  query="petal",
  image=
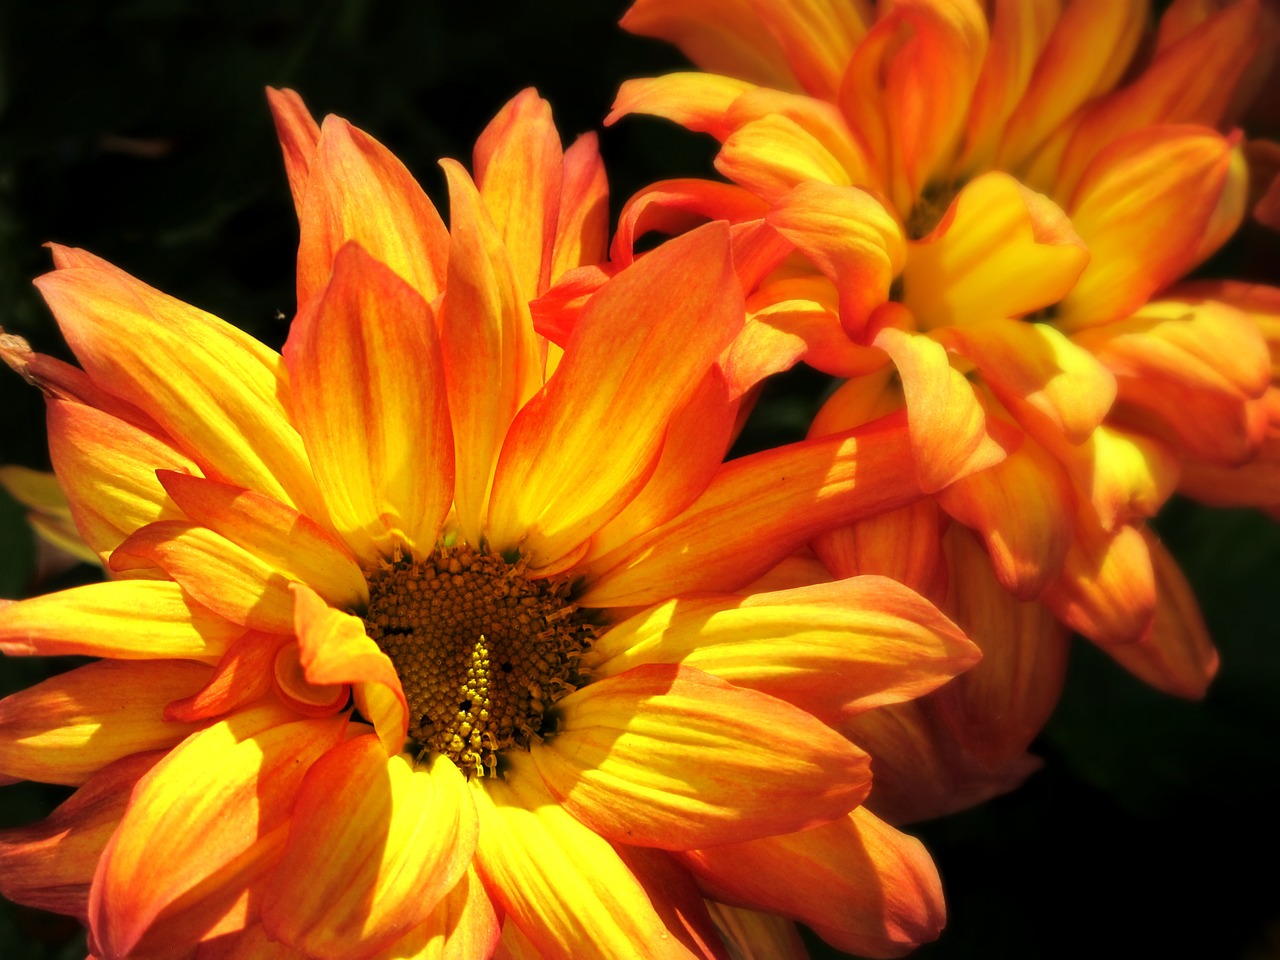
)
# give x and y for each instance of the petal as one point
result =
(676, 206)
(582, 229)
(949, 437)
(560, 882)
(299, 133)
(66, 728)
(124, 620)
(818, 38)
(221, 395)
(756, 935)
(773, 154)
(221, 802)
(857, 882)
(49, 865)
(832, 649)
(1178, 655)
(1143, 208)
(904, 545)
(464, 924)
(49, 513)
(676, 898)
(671, 757)
(243, 675)
(369, 396)
(223, 576)
(1001, 250)
(1034, 365)
(108, 468)
(334, 648)
(374, 845)
(357, 190)
(518, 164)
(491, 354)
(606, 410)
(851, 238)
(696, 101)
(757, 510)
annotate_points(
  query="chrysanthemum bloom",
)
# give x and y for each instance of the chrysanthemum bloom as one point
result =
(987, 214)
(432, 628)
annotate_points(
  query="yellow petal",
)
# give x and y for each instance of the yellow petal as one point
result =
(369, 397)
(374, 845)
(463, 925)
(65, 729)
(773, 154)
(697, 101)
(559, 881)
(904, 545)
(832, 649)
(671, 757)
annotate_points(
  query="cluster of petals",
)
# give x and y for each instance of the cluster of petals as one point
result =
(980, 214)
(244, 788)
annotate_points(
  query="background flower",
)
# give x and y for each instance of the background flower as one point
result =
(138, 132)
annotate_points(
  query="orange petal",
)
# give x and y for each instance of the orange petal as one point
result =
(720, 36)
(852, 239)
(369, 397)
(771, 155)
(606, 410)
(49, 865)
(904, 545)
(559, 881)
(222, 803)
(676, 898)
(219, 393)
(667, 756)
(1143, 208)
(1001, 705)
(949, 437)
(299, 133)
(1023, 509)
(334, 648)
(357, 190)
(66, 728)
(757, 510)
(675, 206)
(124, 620)
(857, 882)
(464, 924)
(832, 649)
(1256, 483)
(756, 935)
(696, 101)
(226, 578)
(243, 675)
(109, 470)
(1178, 655)
(818, 38)
(582, 230)
(374, 845)
(300, 694)
(518, 164)
(491, 356)
(1000, 251)
(1107, 590)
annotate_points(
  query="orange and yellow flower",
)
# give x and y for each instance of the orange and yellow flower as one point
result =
(992, 202)
(434, 637)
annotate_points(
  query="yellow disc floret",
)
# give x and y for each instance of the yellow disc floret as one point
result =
(482, 650)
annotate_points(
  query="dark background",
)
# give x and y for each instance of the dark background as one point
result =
(139, 131)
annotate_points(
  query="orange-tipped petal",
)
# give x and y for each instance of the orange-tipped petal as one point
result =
(219, 393)
(369, 398)
(832, 649)
(374, 845)
(242, 676)
(124, 620)
(223, 576)
(949, 437)
(582, 230)
(1143, 209)
(757, 510)
(667, 756)
(675, 206)
(851, 237)
(357, 190)
(558, 880)
(66, 728)
(299, 133)
(463, 925)
(491, 356)
(519, 165)
(606, 410)
(1178, 655)
(50, 864)
(334, 649)
(904, 545)
(222, 803)
(300, 694)
(859, 883)
(109, 468)
(1001, 250)
(696, 101)
(771, 155)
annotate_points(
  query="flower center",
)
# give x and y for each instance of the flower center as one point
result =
(930, 208)
(482, 650)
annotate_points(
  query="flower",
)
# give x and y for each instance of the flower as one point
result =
(435, 635)
(992, 204)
